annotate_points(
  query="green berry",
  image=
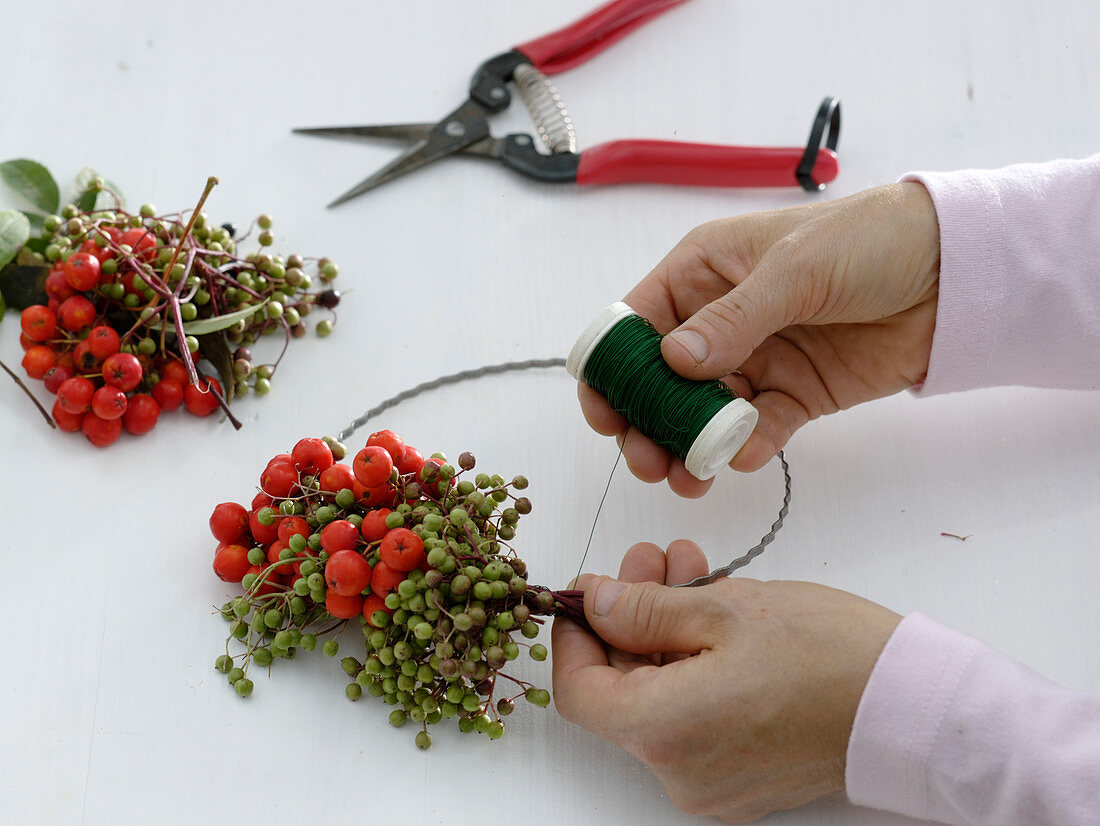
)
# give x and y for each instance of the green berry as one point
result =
(331, 648)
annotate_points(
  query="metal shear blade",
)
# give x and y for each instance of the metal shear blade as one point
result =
(461, 131)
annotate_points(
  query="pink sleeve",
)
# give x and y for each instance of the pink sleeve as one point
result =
(1019, 296)
(950, 730)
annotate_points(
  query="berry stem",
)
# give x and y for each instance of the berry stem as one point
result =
(30, 395)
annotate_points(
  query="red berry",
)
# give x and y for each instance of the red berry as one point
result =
(26, 343)
(199, 398)
(122, 370)
(273, 552)
(231, 562)
(109, 402)
(38, 360)
(228, 522)
(261, 500)
(100, 432)
(347, 573)
(141, 415)
(292, 525)
(141, 241)
(83, 359)
(384, 579)
(402, 549)
(175, 371)
(411, 462)
(374, 524)
(38, 322)
(56, 375)
(383, 496)
(339, 535)
(69, 422)
(343, 607)
(336, 478)
(101, 254)
(75, 394)
(372, 465)
(57, 288)
(390, 441)
(75, 313)
(168, 393)
(371, 605)
(103, 341)
(264, 534)
(278, 479)
(311, 455)
(82, 271)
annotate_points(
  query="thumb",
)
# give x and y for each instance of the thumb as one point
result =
(648, 618)
(718, 338)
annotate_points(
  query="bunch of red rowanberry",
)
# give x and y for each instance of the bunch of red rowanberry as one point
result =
(136, 302)
(409, 550)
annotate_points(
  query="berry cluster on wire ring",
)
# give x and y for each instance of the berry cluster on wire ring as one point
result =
(411, 550)
(123, 289)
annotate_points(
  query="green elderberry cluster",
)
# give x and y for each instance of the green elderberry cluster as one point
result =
(448, 605)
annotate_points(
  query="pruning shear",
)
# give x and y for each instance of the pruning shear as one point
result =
(466, 129)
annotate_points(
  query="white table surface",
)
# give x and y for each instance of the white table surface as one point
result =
(112, 711)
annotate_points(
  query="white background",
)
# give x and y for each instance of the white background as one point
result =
(112, 710)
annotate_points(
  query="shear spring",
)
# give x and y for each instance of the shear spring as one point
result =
(547, 109)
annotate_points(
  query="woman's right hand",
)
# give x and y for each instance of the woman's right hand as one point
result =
(802, 311)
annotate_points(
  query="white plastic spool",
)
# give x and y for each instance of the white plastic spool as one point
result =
(719, 440)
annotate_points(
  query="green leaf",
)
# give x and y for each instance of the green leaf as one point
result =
(15, 229)
(86, 200)
(202, 326)
(36, 221)
(88, 197)
(216, 351)
(24, 284)
(33, 181)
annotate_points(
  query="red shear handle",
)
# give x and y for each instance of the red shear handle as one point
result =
(590, 35)
(698, 164)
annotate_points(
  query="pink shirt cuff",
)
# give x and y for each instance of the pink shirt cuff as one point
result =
(1019, 300)
(950, 730)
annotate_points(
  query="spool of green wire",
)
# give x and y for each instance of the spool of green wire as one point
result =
(702, 422)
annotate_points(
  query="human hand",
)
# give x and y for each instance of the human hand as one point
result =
(802, 311)
(739, 696)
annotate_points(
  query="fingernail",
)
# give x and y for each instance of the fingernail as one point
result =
(607, 594)
(691, 341)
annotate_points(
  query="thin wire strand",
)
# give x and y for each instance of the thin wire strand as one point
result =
(596, 518)
(530, 364)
